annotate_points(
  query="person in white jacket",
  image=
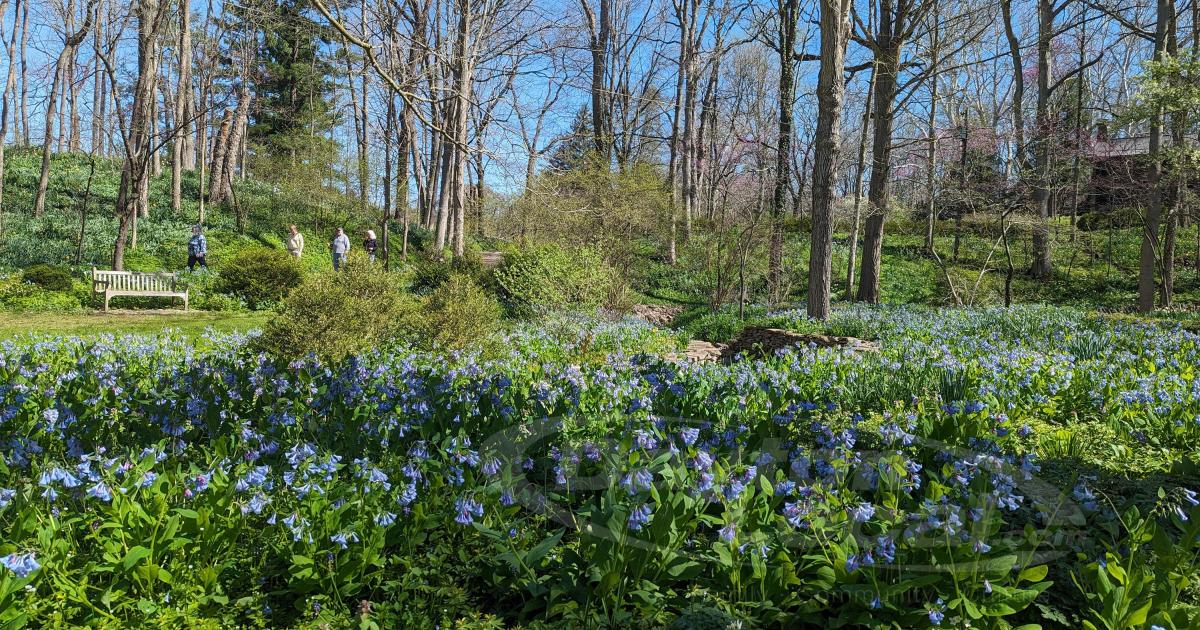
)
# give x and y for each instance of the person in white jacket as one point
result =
(340, 247)
(295, 242)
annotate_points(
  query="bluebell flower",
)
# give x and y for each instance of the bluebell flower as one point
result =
(344, 538)
(729, 532)
(21, 564)
(862, 512)
(6, 496)
(639, 517)
(638, 480)
(385, 519)
(100, 491)
(468, 510)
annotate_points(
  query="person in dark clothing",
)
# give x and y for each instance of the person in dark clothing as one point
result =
(370, 244)
(197, 249)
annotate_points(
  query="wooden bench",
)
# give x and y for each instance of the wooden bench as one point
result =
(132, 283)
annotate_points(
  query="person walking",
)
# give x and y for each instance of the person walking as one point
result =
(197, 249)
(295, 243)
(340, 247)
(370, 244)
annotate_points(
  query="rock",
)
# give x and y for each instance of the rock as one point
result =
(701, 351)
(763, 342)
(657, 314)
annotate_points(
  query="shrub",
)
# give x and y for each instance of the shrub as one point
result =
(549, 277)
(428, 274)
(260, 276)
(49, 277)
(25, 297)
(457, 314)
(337, 315)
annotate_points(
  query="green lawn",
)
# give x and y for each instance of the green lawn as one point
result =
(188, 323)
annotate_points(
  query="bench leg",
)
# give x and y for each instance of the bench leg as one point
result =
(185, 304)
(107, 297)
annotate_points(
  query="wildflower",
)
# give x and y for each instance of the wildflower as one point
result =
(6, 497)
(20, 564)
(385, 519)
(344, 538)
(100, 491)
(729, 532)
(639, 517)
(862, 512)
(468, 510)
(637, 480)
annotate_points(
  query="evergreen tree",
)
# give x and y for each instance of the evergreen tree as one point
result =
(572, 152)
(293, 86)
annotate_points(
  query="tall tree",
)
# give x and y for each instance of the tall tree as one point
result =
(71, 41)
(831, 90)
(140, 141)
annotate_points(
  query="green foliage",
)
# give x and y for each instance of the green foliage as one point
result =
(549, 277)
(20, 296)
(338, 315)
(49, 277)
(457, 314)
(260, 276)
(429, 273)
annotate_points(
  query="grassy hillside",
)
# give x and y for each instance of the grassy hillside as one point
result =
(79, 194)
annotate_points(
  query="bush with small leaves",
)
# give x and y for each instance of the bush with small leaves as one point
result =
(49, 277)
(337, 315)
(260, 276)
(458, 314)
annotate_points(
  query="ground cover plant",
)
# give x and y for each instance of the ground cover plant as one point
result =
(988, 468)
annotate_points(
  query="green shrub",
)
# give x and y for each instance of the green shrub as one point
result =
(49, 277)
(337, 315)
(428, 274)
(457, 314)
(550, 277)
(20, 296)
(260, 276)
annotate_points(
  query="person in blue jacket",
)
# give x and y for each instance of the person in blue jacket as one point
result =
(197, 249)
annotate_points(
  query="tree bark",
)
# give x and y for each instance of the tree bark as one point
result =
(9, 88)
(1148, 262)
(60, 65)
(831, 89)
(183, 95)
(140, 141)
(858, 186)
(789, 14)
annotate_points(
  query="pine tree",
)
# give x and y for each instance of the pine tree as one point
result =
(293, 86)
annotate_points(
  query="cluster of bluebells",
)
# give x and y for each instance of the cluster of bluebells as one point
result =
(406, 427)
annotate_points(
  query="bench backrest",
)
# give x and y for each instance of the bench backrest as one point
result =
(132, 281)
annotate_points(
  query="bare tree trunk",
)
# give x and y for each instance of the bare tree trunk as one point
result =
(858, 186)
(831, 89)
(183, 94)
(139, 143)
(601, 32)
(789, 14)
(25, 135)
(887, 63)
(9, 86)
(220, 146)
(1043, 199)
(99, 89)
(931, 129)
(69, 43)
(1149, 256)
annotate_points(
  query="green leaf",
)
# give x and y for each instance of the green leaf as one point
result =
(135, 555)
(1034, 574)
(534, 556)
